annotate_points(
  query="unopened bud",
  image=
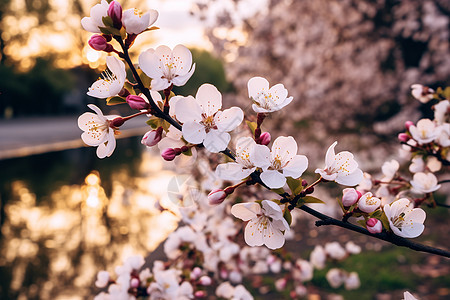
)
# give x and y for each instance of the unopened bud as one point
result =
(124, 93)
(304, 183)
(117, 122)
(152, 137)
(168, 154)
(200, 294)
(136, 102)
(350, 196)
(374, 225)
(98, 42)
(408, 124)
(115, 12)
(309, 190)
(205, 280)
(134, 283)
(403, 137)
(216, 196)
(265, 138)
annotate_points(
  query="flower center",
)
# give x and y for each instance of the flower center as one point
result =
(265, 100)
(399, 220)
(138, 12)
(208, 122)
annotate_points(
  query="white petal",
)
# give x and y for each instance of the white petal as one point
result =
(273, 238)
(412, 230)
(417, 215)
(216, 141)
(159, 84)
(278, 94)
(261, 156)
(284, 149)
(209, 99)
(346, 160)
(97, 110)
(273, 179)
(88, 118)
(107, 148)
(88, 25)
(92, 139)
(117, 67)
(232, 171)
(256, 85)
(229, 119)
(182, 60)
(153, 16)
(150, 64)
(296, 166)
(193, 132)
(253, 234)
(246, 211)
(182, 79)
(350, 179)
(329, 157)
(259, 109)
(271, 209)
(187, 109)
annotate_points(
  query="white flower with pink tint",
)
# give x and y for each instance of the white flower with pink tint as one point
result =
(135, 21)
(341, 167)
(267, 99)
(368, 203)
(425, 182)
(266, 224)
(422, 93)
(112, 80)
(425, 132)
(95, 20)
(204, 122)
(97, 131)
(280, 163)
(165, 66)
(405, 220)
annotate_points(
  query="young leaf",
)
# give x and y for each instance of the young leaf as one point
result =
(151, 28)
(252, 126)
(295, 185)
(311, 199)
(385, 221)
(287, 216)
(147, 81)
(279, 191)
(115, 101)
(376, 214)
(108, 21)
(362, 223)
(153, 122)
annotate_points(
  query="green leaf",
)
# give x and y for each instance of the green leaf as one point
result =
(104, 30)
(188, 153)
(311, 199)
(151, 28)
(279, 191)
(385, 221)
(109, 30)
(165, 125)
(295, 185)
(108, 21)
(287, 216)
(129, 88)
(153, 122)
(339, 201)
(362, 223)
(376, 214)
(115, 100)
(252, 126)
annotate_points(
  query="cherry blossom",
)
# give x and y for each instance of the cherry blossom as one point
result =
(246, 148)
(267, 99)
(266, 224)
(281, 162)
(204, 122)
(112, 82)
(341, 168)
(165, 66)
(422, 93)
(405, 220)
(389, 168)
(97, 131)
(440, 111)
(425, 182)
(135, 21)
(368, 203)
(95, 21)
(425, 132)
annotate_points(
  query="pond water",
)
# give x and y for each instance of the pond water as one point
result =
(66, 215)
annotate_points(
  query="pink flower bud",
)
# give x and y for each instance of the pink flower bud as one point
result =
(408, 124)
(216, 196)
(152, 137)
(403, 137)
(264, 139)
(374, 225)
(205, 280)
(196, 272)
(350, 196)
(115, 12)
(98, 42)
(169, 154)
(200, 294)
(136, 102)
(134, 283)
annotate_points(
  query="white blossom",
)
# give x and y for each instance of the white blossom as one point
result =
(165, 66)
(267, 99)
(389, 168)
(341, 168)
(95, 21)
(318, 257)
(421, 93)
(266, 224)
(425, 182)
(335, 250)
(335, 277)
(405, 220)
(112, 82)
(425, 132)
(135, 21)
(368, 203)
(440, 111)
(97, 131)
(352, 281)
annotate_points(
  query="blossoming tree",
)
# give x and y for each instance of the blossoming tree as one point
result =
(205, 251)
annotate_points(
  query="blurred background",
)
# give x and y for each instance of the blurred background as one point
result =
(349, 64)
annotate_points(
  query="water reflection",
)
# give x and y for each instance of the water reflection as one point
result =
(52, 245)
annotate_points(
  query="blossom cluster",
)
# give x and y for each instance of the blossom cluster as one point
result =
(206, 250)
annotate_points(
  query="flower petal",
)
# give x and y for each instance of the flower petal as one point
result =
(273, 179)
(253, 233)
(193, 132)
(209, 99)
(296, 166)
(284, 149)
(271, 209)
(246, 211)
(216, 141)
(278, 94)
(232, 171)
(150, 64)
(229, 119)
(182, 60)
(117, 67)
(329, 157)
(260, 156)
(106, 148)
(273, 238)
(350, 179)
(256, 85)
(187, 109)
